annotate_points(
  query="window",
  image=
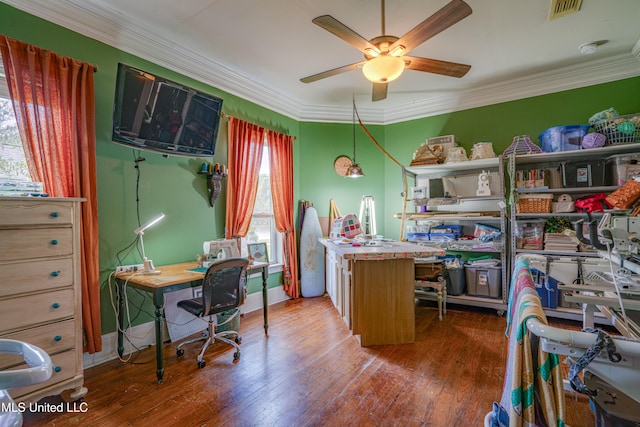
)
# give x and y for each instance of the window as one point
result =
(13, 165)
(263, 223)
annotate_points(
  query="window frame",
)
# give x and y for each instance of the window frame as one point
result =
(4, 93)
(276, 255)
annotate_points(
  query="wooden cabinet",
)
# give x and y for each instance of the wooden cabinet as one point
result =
(372, 287)
(338, 280)
(40, 291)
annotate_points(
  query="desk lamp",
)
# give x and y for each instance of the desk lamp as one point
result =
(148, 264)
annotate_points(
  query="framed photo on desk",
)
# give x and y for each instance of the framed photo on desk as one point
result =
(258, 252)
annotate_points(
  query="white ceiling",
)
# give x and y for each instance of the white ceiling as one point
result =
(259, 49)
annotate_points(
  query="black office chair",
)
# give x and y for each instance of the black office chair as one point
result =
(222, 290)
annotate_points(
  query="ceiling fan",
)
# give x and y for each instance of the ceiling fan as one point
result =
(385, 55)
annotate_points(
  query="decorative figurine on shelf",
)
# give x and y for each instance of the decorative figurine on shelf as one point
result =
(215, 174)
(483, 184)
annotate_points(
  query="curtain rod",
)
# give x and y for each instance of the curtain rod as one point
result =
(227, 116)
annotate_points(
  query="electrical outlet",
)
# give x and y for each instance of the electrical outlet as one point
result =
(129, 268)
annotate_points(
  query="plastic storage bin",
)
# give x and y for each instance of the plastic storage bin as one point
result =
(456, 281)
(418, 237)
(563, 138)
(583, 174)
(530, 234)
(622, 168)
(548, 291)
(484, 281)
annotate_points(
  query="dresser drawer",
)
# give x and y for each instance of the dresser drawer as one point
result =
(30, 276)
(19, 212)
(34, 309)
(53, 338)
(64, 367)
(35, 243)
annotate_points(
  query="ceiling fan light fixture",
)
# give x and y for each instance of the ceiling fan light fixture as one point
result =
(383, 69)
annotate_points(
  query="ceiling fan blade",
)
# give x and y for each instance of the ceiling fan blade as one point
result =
(452, 69)
(337, 28)
(450, 14)
(333, 72)
(379, 92)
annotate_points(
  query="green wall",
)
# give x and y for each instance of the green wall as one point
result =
(169, 185)
(319, 183)
(172, 185)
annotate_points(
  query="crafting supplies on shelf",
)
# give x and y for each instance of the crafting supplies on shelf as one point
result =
(529, 234)
(538, 178)
(622, 168)
(534, 203)
(620, 129)
(467, 200)
(563, 138)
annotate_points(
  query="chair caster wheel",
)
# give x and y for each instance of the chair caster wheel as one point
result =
(238, 340)
(179, 352)
(201, 364)
(236, 356)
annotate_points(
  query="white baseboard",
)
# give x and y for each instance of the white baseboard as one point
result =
(143, 335)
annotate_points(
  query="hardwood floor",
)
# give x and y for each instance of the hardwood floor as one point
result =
(311, 372)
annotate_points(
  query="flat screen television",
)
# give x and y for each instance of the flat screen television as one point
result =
(155, 114)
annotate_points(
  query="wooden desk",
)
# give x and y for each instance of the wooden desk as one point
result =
(172, 277)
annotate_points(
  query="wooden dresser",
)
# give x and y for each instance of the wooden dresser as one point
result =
(40, 288)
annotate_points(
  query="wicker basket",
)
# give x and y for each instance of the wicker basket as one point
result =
(621, 129)
(534, 203)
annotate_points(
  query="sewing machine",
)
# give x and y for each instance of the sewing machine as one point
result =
(621, 231)
(215, 250)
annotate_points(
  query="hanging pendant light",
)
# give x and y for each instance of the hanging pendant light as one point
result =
(354, 171)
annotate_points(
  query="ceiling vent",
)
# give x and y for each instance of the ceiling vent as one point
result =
(560, 8)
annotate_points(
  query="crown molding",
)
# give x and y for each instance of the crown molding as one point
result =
(98, 21)
(603, 70)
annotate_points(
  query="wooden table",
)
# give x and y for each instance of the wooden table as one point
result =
(171, 277)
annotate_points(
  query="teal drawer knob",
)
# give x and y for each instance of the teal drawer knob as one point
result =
(55, 305)
(57, 338)
(54, 214)
(58, 368)
(54, 242)
(55, 273)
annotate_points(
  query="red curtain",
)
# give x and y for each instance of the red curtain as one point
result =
(246, 141)
(281, 167)
(53, 100)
